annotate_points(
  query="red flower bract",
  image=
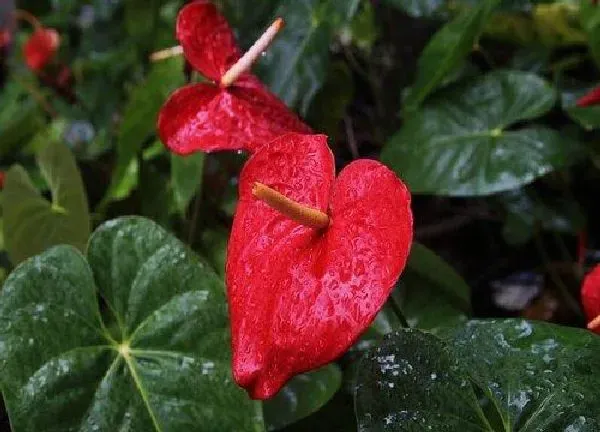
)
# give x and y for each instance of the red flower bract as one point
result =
(209, 117)
(590, 296)
(299, 297)
(590, 98)
(40, 48)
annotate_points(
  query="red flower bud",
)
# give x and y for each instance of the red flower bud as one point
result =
(301, 293)
(590, 297)
(242, 114)
(5, 38)
(40, 48)
(590, 98)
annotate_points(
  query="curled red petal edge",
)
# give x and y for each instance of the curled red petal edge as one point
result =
(207, 39)
(590, 98)
(300, 298)
(40, 48)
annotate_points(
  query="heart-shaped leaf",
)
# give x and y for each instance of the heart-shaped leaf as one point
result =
(302, 396)
(459, 145)
(446, 50)
(32, 223)
(156, 358)
(489, 375)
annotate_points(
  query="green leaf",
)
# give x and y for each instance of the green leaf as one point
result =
(417, 8)
(214, 248)
(329, 106)
(31, 223)
(302, 396)
(432, 267)
(295, 66)
(490, 375)
(446, 50)
(141, 19)
(139, 121)
(166, 366)
(459, 145)
(589, 15)
(186, 178)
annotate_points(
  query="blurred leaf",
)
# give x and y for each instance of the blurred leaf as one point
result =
(587, 117)
(156, 194)
(139, 120)
(20, 118)
(329, 106)
(432, 267)
(558, 24)
(186, 178)
(362, 31)
(459, 145)
(31, 223)
(295, 66)
(165, 368)
(53, 132)
(141, 19)
(413, 374)
(418, 8)
(302, 396)
(526, 212)
(589, 15)
(446, 50)
(214, 248)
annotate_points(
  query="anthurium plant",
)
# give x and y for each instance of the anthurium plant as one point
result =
(299, 215)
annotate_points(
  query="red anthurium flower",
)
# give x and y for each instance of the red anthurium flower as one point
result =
(234, 112)
(40, 48)
(590, 297)
(311, 259)
(590, 98)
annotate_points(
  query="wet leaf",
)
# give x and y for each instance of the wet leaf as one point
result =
(32, 223)
(509, 374)
(302, 396)
(164, 367)
(460, 143)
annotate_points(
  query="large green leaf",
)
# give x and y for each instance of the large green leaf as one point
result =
(186, 178)
(295, 66)
(164, 366)
(32, 223)
(459, 145)
(302, 396)
(447, 50)
(139, 121)
(590, 21)
(509, 375)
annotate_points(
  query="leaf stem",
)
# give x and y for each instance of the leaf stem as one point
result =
(23, 15)
(398, 312)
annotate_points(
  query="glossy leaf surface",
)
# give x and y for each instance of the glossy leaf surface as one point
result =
(31, 222)
(162, 366)
(459, 145)
(302, 396)
(489, 375)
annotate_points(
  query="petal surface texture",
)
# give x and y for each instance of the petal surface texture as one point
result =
(590, 295)
(40, 48)
(203, 117)
(300, 297)
(207, 40)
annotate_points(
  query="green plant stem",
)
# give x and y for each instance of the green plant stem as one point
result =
(398, 312)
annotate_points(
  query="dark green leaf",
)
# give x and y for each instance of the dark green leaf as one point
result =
(139, 120)
(432, 267)
(418, 8)
(141, 19)
(214, 248)
(166, 366)
(447, 50)
(186, 178)
(302, 396)
(295, 66)
(31, 223)
(458, 144)
(589, 14)
(511, 374)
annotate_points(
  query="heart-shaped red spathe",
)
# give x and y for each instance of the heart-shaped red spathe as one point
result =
(208, 117)
(590, 295)
(40, 48)
(300, 297)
